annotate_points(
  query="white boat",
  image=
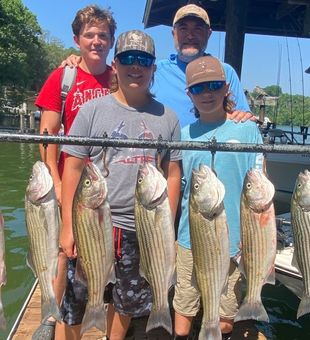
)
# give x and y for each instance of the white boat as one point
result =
(283, 168)
(286, 273)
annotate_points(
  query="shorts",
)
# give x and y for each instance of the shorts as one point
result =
(130, 295)
(186, 299)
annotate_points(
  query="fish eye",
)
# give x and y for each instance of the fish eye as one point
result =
(140, 180)
(196, 186)
(248, 186)
(87, 182)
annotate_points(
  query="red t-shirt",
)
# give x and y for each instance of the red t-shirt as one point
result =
(85, 88)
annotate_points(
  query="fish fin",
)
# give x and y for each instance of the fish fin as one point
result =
(50, 308)
(252, 311)
(2, 275)
(29, 263)
(294, 262)
(241, 266)
(2, 317)
(79, 273)
(304, 306)
(160, 318)
(94, 317)
(111, 276)
(271, 279)
(173, 279)
(142, 274)
(210, 331)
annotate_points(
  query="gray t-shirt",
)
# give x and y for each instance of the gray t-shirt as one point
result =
(106, 114)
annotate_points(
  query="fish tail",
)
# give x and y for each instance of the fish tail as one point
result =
(210, 331)
(304, 306)
(50, 308)
(94, 317)
(160, 318)
(253, 311)
(2, 318)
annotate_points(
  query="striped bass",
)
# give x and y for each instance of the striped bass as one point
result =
(93, 234)
(156, 238)
(259, 242)
(43, 224)
(300, 218)
(2, 270)
(210, 246)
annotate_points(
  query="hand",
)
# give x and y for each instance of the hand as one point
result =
(72, 61)
(66, 242)
(241, 116)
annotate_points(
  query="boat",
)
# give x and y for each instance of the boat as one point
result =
(285, 272)
(283, 168)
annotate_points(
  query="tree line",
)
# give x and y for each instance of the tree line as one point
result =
(289, 109)
(28, 55)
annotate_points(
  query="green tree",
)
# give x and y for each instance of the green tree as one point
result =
(273, 90)
(19, 44)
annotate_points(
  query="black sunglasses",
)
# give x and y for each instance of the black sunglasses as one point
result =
(210, 85)
(140, 59)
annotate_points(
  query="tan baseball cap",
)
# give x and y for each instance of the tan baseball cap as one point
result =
(191, 11)
(204, 69)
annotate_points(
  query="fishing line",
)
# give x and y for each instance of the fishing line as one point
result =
(302, 87)
(290, 82)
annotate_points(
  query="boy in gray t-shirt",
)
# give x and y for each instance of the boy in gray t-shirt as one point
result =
(129, 112)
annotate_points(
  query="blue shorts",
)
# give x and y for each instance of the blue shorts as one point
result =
(130, 295)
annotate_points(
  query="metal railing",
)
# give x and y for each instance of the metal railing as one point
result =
(159, 143)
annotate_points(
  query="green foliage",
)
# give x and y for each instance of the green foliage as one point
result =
(290, 109)
(273, 90)
(27, 56)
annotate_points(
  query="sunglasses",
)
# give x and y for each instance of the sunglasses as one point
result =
(140, 59)
(209, 85)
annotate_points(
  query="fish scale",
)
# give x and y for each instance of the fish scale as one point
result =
(155, 234)
(43, 224)
(92, 229)
(210, 246)
(300, 218)
(258, 242)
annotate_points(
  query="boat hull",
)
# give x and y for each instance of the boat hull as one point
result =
(283, 170)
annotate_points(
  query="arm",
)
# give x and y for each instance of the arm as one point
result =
(70, 180)
(172, 171)
(50, 120)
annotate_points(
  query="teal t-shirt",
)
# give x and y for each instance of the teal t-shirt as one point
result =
(230, 167)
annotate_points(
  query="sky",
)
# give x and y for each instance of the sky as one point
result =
(266, 59)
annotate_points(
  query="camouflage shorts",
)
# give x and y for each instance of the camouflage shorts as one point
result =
(130, 295)
(75, 297)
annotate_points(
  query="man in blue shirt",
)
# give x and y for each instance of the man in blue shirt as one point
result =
(191, 32)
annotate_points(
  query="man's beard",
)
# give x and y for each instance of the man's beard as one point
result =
(188, 55)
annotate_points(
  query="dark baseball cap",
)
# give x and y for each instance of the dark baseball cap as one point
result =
(134, 40)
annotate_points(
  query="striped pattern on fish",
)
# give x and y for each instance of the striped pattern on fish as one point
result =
(210, 246)
(259, 241)
(300, 218)
(43, 225)
(92, 228)
(156, 237)
(2, 270)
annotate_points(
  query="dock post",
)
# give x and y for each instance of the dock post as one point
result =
(21, 121)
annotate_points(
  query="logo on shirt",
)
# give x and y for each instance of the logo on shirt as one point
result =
(131, 155)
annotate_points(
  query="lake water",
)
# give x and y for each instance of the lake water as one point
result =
(16, 161)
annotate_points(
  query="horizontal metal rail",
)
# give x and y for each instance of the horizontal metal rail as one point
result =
(159, 143)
